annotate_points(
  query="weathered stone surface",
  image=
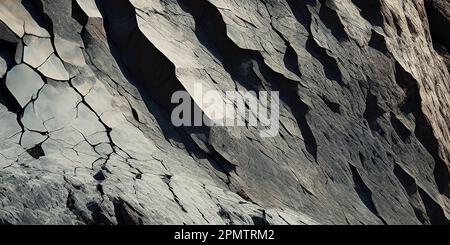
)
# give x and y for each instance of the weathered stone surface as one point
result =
(37, 50)
(69, 52)
(16, 16)
(439, 19)
(23, 83)
(89, 7)
(85, 113)
(53, 68)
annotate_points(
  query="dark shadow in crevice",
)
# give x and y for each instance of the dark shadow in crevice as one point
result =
(397, 25)
(154, 75)
(329, 64)
(301, 12)
(439, 24)
(291, 61)
(260, 221)
(411, 103)
(7, 52)
(78, 14)
(371, 11)
(402, 131)
(412, 29)
(372, 113)
(36, 152)
(378, 42)
(362, 190)
(409, 185)
(245, 66)
(7, 35)
(36, 9)
(97, 216)
(142, 64)
(122, 214)
(423, 131)
(333, 106)
(332, 21)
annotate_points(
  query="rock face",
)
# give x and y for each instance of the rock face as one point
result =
(86, 136)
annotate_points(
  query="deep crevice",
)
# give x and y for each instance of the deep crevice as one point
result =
(371, 11)
(167, 180)
(140, 57)
(434, 210)
(329, 64)
(439, 24)
(378, 42)
(36, 9)
(409, 185)
(122, 214)
(333, 106)
(423, 131)
(364, 193)
(301, 12)
(225, 215)
(135, 114)
(151, 72)
(291, 61)
(402, 131)
(372, 113)
(260, 220)
(332, 21)
(78, 13)
(245, 66)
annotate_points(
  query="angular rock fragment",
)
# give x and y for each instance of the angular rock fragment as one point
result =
(90, 8)
(53, 68)
(37, 50)
(31, 139)
(69, 52)
(56, 118)
(14, 14)
(9, 126)
(6, 34)
(23, 83)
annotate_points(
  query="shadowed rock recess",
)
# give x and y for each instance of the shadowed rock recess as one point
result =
(86, 136)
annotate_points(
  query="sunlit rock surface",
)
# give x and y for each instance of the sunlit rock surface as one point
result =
(86, 136)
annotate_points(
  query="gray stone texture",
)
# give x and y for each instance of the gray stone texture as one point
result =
(86, 137)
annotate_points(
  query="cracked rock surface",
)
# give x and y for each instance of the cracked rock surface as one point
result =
(86, 136)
